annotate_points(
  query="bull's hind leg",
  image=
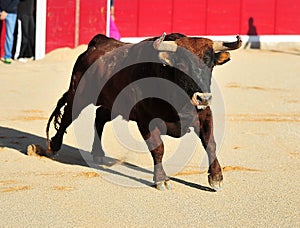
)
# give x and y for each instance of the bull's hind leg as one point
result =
(206, 135)
(103, 116)
(66, 120)
(156, 147)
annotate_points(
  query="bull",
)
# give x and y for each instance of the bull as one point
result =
(187, 62)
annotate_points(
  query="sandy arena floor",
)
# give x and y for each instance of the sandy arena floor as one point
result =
(260, 155)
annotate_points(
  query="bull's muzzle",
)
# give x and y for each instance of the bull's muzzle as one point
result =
(201, 100)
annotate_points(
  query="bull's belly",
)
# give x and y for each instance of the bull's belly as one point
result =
(164, 118)
(176, 129)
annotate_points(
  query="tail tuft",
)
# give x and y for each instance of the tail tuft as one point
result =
(57, 115)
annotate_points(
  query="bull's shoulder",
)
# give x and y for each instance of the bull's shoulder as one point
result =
(101, 41)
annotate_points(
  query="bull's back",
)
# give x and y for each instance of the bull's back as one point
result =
(97, 47)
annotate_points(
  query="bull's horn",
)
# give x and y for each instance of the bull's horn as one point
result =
(160, 39)
(167, 46)
(223, 46)
(161, 45)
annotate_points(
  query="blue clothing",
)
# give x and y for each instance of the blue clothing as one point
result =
(11, 7)
(10, 23)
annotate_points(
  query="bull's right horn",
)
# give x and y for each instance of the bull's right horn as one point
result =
(224, 46)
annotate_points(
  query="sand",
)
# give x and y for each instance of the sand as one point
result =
(260, 155)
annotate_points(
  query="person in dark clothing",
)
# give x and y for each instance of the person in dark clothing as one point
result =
(26, 30)
(8, 12)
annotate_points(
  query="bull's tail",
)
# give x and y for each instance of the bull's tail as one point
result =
(57, 115)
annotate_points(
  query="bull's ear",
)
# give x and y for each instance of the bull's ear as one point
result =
(222, 57)
(165, 58)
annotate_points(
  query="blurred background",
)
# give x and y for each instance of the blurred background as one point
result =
(70, 23)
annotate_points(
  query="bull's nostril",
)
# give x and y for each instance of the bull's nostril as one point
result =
(199, 98)
(204, 97)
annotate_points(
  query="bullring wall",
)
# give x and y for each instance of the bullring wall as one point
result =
(70, 23)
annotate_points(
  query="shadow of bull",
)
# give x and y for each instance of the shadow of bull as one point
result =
(19, 140)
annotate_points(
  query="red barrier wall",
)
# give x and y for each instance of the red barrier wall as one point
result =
(2, 38)
(60, 24)
(62, 29)
(287, 17)
(206, 17)
(92, 19)
(140, 18)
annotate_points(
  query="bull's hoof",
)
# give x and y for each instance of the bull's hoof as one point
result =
(168, 185)
(99, 160)
(216, 185)
(163, 185)
(215, 182)
(37, 150)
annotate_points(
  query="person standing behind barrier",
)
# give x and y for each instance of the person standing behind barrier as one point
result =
(8, 12)
(113, 30)
(26, 31)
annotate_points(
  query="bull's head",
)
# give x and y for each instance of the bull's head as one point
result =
(196, 57)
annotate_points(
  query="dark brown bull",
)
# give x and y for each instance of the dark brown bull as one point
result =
(185, 61)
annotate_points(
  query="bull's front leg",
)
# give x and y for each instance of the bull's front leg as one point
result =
(156, 147)
(206, 135)
(103, 115)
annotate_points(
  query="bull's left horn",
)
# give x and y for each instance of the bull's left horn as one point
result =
(161, 45)
(224, 46)
(167, 46)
